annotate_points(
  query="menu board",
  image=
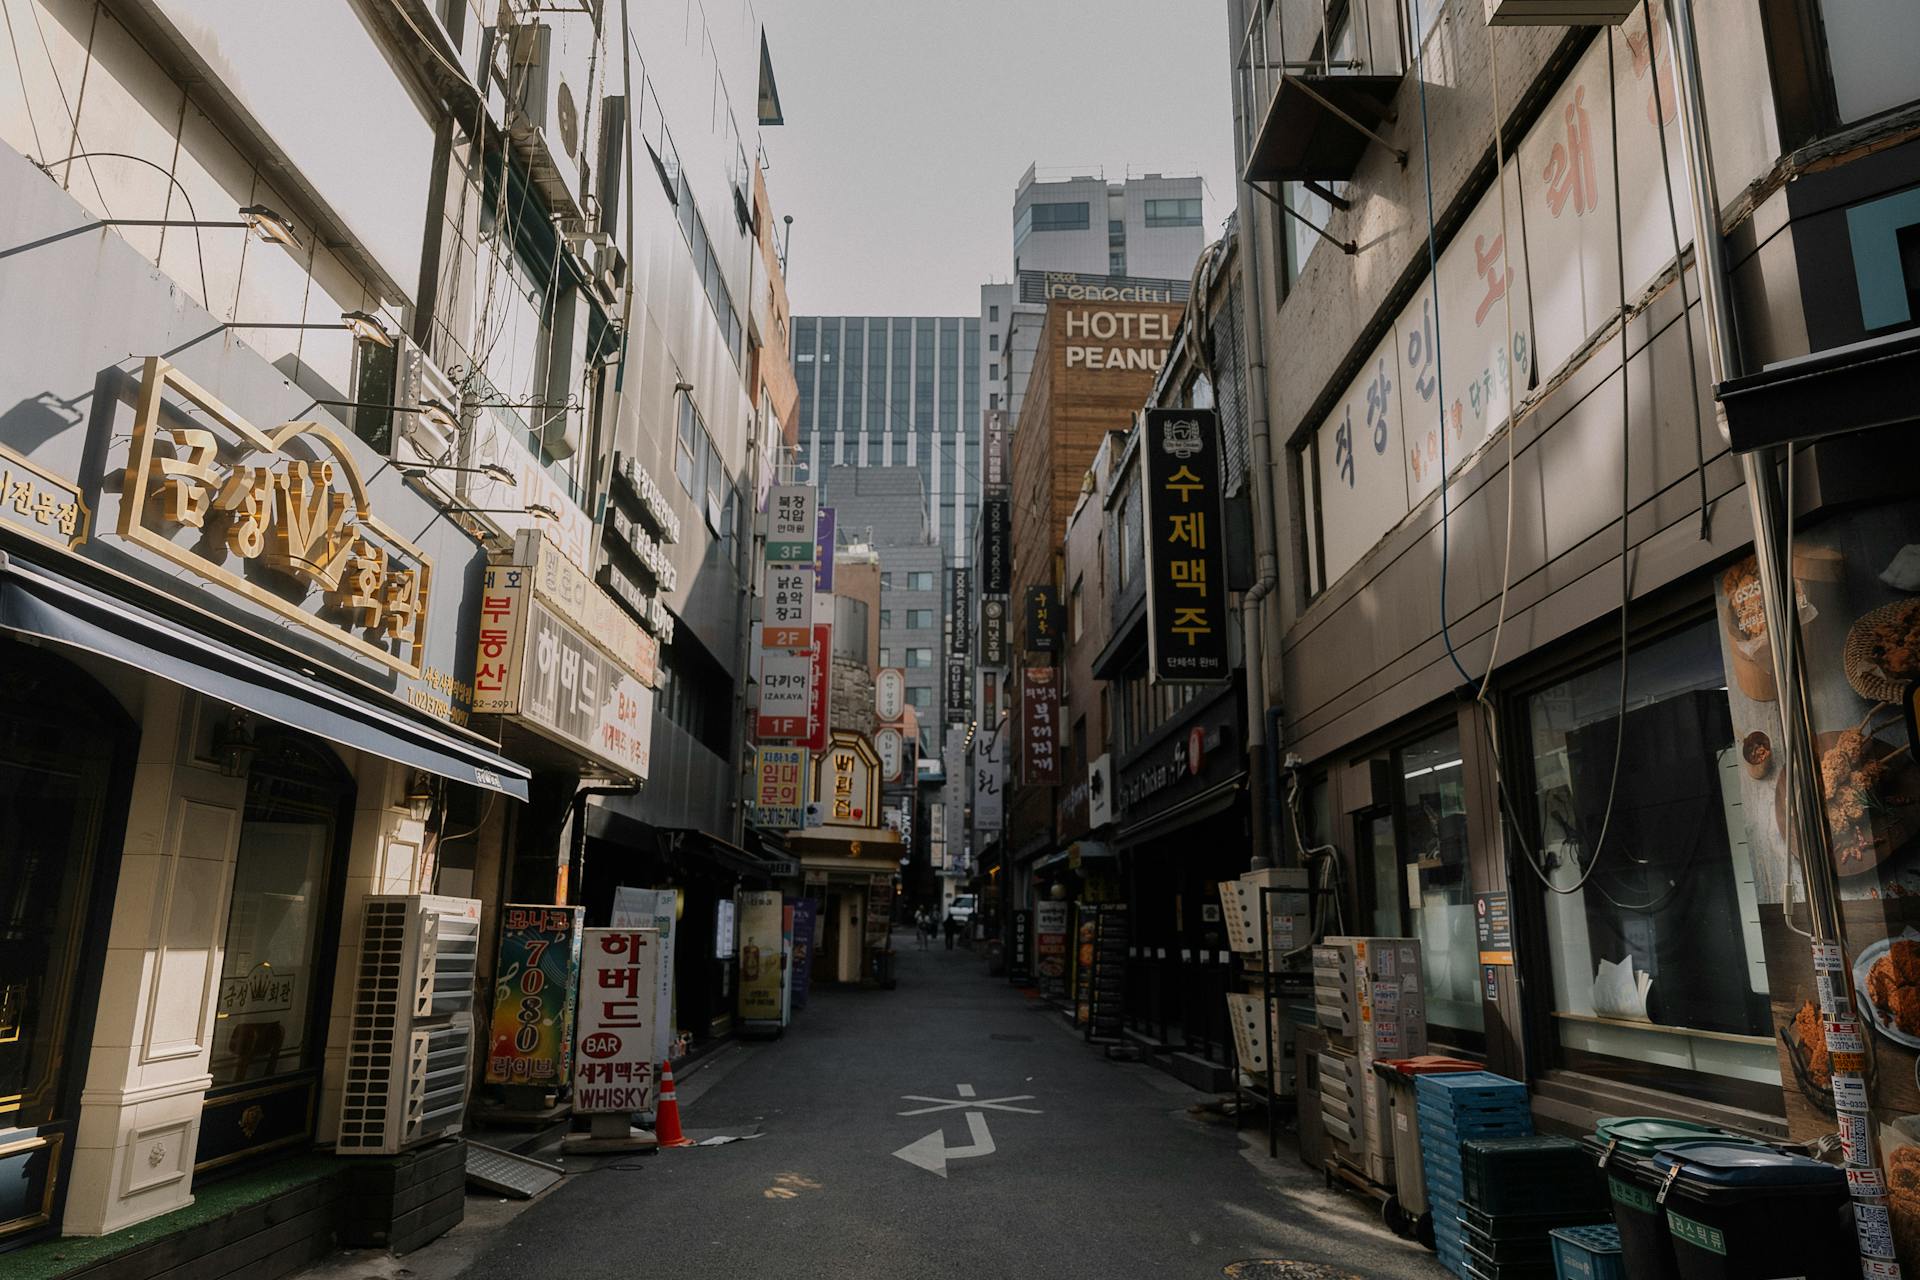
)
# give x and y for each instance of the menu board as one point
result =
(1050, 947)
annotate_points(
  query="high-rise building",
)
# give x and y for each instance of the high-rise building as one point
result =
(890, 391)
(1064, 249)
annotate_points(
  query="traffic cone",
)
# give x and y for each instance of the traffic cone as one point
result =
(666, 1115)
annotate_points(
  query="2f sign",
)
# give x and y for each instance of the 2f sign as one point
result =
(789, 607)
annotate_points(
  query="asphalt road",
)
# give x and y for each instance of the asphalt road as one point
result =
(1111, 1178)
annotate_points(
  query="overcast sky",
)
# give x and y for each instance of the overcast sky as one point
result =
(910, 121)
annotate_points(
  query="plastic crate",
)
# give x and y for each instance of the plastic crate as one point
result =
(1588, 1253)
(1514, 1226)
(1468, 1087)
(1531, 1175)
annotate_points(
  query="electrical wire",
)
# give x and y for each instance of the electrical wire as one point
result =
(1513, 373)
(198, 248)
(1439, 377)
(1626, 509)
(1679, 274)
(26, 99)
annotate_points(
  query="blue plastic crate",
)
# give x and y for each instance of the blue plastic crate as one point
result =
(1459, 1113)
(1452, 1088)
(1512, 1125)
(1588, 1253)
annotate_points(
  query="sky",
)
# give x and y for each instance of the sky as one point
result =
(909, 123)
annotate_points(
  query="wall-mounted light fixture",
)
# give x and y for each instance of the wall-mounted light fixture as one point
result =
(233, 744)
(419, 797)
(361, 324)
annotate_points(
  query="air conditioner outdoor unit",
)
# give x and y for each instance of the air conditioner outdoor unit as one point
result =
(411, 1042)
(418, 381)
(546, 81)
(1559, 13)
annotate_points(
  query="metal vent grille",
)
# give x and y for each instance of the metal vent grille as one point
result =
(364, 1114)
(1230, 390)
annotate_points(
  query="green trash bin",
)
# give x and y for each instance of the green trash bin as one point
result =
(1624, 1147)
(1739, 1212)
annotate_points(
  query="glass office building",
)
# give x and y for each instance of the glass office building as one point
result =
(884, 391)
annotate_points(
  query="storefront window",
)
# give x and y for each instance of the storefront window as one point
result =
(271, 977)
(1440, 884)
(53, 791)
(1659, 976)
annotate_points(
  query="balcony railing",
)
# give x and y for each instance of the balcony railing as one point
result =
(1318, 79)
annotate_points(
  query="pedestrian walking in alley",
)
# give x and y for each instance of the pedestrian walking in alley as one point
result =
(922, 927)
(952, 927)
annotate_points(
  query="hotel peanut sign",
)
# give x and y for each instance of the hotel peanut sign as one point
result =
(290, 500)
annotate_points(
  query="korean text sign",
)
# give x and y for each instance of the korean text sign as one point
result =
(619, 979)
(1043, 626)
(762, 927)
(793, 525)
(532, 1034)
(1187, 623)
(1040, 727)
(785, 695)
(780, 786)
(655, 909)
(787, 593)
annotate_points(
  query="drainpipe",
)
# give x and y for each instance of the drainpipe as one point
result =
(1773, 558)
(1253, 604)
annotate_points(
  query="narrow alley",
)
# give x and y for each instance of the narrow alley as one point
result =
(1097, 1168)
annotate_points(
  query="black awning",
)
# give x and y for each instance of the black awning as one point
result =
(39, 603)
(1318, 126)
(1852, 388)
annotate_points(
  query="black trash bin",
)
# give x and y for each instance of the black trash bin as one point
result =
(1624, 1147)
(1740, 1212)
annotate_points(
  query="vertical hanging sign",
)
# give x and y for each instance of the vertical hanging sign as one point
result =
(793, 524)
(823, 544)
(960, 606)
(995, 449)
(1040, 727)
(996, 545)
(787, 592)
(1043, 626)
(1186, 569)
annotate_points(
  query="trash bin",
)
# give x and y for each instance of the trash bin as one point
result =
(1406, 1211)
(1739, 1212)
(1624, 1147)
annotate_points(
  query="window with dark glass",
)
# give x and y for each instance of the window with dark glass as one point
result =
(1641, 991)
(1183, 212)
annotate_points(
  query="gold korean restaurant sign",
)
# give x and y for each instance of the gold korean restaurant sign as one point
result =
(290, 499)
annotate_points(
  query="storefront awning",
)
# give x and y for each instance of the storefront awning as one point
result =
(1215, 799)
(1852, 388)
(37, 602)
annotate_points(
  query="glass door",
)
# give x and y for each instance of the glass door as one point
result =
(275, 977)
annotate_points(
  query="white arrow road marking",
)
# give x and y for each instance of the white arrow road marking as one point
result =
(989, 1104)
(964, 1090)
(932, 1152)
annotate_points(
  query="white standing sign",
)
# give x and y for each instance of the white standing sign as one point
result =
(653, 909)
(619, 978)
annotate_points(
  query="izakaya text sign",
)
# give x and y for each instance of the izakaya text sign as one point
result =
(793, 525)
(1187, 622)
(1040, 727)
(619, 979)
(788, 594)
(780, 786)
(785, 696)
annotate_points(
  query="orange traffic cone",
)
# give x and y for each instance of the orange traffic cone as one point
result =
(666, 1113)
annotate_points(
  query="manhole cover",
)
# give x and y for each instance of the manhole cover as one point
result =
(1282, 1269)
(1013, 1039)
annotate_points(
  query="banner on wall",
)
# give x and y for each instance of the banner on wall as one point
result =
(619, 1034)
(1040, 727)
(1857, 592)
(533, 996)
(761, 920)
